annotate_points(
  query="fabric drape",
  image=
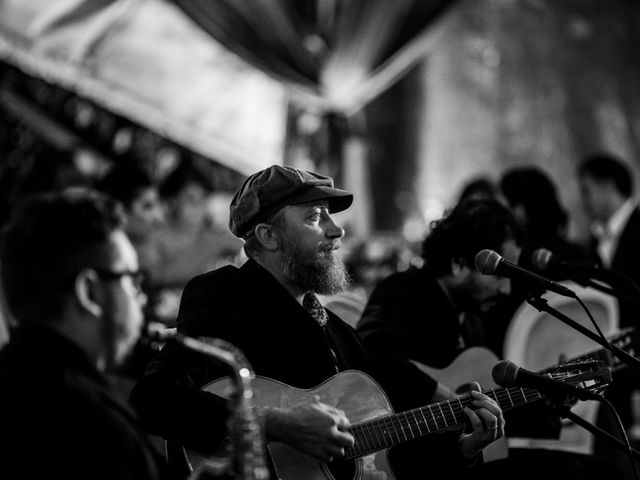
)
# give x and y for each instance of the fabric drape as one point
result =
(338, 54)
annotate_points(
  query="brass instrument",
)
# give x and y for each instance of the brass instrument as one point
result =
(247, 447)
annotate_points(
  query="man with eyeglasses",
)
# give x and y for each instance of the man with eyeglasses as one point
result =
(71, 280)
(133, 186)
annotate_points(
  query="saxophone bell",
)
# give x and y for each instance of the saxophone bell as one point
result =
(245, 428)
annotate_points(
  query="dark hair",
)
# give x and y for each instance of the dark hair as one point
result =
(606, 167)
(125, 182)
(532, 188)
(473, 225)
(182, 176)
(477, 187)
(49, 239)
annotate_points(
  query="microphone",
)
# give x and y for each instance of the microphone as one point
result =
(489, 262)
(625, 288)
(543, 259)
(508, 374)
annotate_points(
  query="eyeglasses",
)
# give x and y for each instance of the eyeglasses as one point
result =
(137, 276)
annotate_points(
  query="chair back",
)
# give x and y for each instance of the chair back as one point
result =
(536, 340)
(346, 305)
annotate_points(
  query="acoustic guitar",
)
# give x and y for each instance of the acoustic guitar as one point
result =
(374, 425)
(476, 363)
(473, 364)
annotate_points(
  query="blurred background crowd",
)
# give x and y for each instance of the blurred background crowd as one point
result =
(450, 98)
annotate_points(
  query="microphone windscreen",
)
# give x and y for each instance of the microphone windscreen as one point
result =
(487, 261)
(504, 373)
(540, 258)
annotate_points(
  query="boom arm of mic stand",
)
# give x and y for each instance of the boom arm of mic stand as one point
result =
(542, 305)
(587, 282)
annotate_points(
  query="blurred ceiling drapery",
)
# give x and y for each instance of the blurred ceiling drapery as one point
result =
(147, 61)
(334, 57)
(338, 54)
(225, 90)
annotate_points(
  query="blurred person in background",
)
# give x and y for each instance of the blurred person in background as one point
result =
(478, 187)
(71, 278)
(420, 322)
(132, 185)
(607, 190)
(533, 199)
(190, 242)
(427, 313)
(43, 168)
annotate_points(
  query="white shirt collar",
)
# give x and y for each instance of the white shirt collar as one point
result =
(619, 219)
(609, 234)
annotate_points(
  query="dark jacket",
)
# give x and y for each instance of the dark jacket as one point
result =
(62, 419)
(248, 308)
(409, 316)
(626, 260)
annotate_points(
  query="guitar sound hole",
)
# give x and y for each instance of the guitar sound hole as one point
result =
(343, 469)
(463, 389)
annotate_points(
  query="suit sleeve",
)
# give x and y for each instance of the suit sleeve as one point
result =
(169, 398)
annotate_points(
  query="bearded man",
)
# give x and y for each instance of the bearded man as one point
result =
(268, 310)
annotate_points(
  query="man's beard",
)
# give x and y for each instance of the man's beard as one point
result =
(322, 273)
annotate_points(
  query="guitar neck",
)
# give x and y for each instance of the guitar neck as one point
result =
(387, 431)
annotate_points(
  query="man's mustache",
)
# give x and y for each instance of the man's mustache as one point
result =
(330, 246)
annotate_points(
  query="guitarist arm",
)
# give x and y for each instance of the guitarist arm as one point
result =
(317, 429)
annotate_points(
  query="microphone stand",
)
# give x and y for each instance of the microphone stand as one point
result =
(565, 412)
(541, 304)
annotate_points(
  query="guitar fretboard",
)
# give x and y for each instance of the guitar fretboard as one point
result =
(389, 430)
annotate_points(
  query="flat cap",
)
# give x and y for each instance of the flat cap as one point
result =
(267, 191)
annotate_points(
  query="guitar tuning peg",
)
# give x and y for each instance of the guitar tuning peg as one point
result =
(582, 365)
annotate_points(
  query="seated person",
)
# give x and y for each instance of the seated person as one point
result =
(71, 279)
(134, 188)
(429, 316)
(189, 243)
(268, 309)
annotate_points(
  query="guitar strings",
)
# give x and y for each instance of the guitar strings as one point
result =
(384, 432)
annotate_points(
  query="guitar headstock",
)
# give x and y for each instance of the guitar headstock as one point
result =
(591, 375)
(627, 340)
